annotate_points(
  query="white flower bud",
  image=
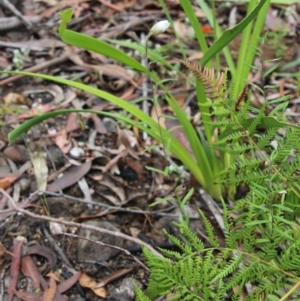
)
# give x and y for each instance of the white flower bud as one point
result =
(159, 27)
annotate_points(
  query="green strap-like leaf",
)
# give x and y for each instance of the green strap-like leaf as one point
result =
(229, 34)
(95, 45)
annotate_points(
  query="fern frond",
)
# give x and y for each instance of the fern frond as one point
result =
(241, 98)
(192, 239)
(185, 248)
(209, 230)
(284, 147)
(264, 140)
(213, 84)
(237, 149)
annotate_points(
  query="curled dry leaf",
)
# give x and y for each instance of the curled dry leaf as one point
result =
(57, 93)
(49, 292)
(117, 189)
(87, 281)
(44, 252)
(8, 180)
(30, 270)
(67, 284)
(15, 266)
(62, 142)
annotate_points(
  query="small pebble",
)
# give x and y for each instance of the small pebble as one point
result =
(56, 228)
(24, 183)
(76, 152)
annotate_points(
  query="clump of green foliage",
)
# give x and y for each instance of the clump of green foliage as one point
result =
(262, 242)
(257, 259)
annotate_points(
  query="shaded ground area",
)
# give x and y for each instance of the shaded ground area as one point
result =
(92, 170)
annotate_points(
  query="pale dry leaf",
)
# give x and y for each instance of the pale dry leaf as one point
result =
(62, 142)
(128, 139)
(83, 185)
(184, 31)
(40, 170)
(14, 98)
(89, 282)
(134, 232)
(49, 293)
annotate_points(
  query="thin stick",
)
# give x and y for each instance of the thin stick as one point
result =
(109, 246)
(36, 68)
(80, 226)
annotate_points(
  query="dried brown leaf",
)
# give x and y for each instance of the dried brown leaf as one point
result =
(72, 123)
(87, 281)
(49, 293)
(8, 180)
(212, 83)
(67, 284)
(30, 270)
(128, 139)
(70, 177)
(63, 142)
(98, 124)
(15, 266)
(44, 252)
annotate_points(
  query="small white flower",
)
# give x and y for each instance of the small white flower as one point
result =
(159, 27)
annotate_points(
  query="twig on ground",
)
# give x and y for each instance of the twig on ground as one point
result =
(121, 209)
(39, 67)
(80, 226)
(57, 248)
(7, 4)
(109, 246)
